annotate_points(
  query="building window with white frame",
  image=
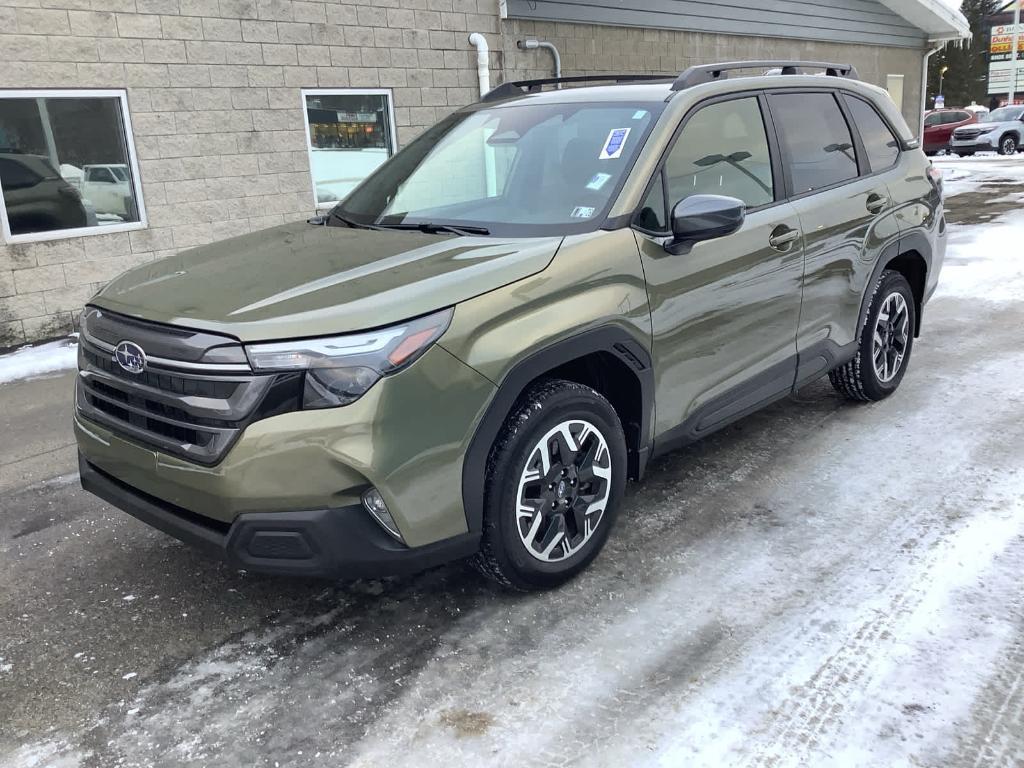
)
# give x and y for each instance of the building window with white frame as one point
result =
(350, 133)
(67, 165)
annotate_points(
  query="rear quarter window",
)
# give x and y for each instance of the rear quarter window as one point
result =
(880, 145)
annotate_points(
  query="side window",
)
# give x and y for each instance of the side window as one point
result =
(819, 148)
(722, 150)
(881, 146)
(933, 119)
(101, 175)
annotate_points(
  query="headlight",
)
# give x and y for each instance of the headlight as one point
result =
(340, 369)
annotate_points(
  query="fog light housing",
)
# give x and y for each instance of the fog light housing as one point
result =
(374, 504)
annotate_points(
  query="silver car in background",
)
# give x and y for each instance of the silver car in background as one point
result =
(1001, 130)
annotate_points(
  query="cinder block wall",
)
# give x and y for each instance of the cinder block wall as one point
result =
(214, 93)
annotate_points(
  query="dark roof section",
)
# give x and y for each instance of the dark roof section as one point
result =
(523, 87)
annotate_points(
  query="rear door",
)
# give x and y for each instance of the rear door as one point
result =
(725, 313)
(846, 214)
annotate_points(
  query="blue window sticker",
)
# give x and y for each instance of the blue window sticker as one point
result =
(598, 180)
(640, 114)
(614, 143)
(582, 212)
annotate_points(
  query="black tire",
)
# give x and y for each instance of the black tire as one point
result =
(1008, 145)
(930, 152)
(858, 379)
(504, 555)
(965, 154)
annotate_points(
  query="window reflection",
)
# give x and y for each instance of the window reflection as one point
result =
(350, 135)
(64, 163)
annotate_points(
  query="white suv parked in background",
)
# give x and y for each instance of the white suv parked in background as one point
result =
(1001, 130)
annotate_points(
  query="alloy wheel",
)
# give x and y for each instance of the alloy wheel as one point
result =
(1009, 145)
(563, 490)
(891, 337)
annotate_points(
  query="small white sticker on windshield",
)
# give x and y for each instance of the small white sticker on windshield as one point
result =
(582, 212)
(614, 143)
(598, 180)
(640, 114)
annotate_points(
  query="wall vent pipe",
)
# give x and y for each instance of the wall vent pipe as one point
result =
(483, 72)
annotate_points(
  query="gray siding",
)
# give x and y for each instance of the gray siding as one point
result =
(849, 21)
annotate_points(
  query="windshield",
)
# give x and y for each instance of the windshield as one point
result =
(515, 170)
(1003, 115)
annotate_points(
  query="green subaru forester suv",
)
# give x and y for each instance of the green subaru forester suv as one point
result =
(473, 352)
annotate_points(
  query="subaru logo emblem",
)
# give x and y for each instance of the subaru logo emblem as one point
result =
(130, 356)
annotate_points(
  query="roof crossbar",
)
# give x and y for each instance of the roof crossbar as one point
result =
(521, 87)
(709, 73)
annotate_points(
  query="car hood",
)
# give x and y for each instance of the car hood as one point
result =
(302, 280)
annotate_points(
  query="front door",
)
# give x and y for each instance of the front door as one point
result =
(725, 313)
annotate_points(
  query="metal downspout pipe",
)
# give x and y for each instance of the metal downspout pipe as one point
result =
(938, 46)
(530, 45)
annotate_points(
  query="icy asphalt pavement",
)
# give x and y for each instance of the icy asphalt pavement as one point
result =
(821, 584)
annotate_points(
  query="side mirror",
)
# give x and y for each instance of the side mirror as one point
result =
(704, 217)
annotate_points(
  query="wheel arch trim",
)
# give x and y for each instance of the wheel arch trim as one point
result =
(912, 242)
(609, 339)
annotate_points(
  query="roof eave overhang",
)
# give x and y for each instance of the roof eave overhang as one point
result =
(936, 19)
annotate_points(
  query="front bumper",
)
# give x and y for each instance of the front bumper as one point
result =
(406, 437)
(324, 543)
(978, 144)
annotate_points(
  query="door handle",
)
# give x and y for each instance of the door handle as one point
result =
(782, 236)
(876, 203)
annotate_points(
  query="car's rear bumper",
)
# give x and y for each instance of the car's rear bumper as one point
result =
(324, 543)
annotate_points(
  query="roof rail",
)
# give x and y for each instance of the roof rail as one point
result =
(709, 73)
(520, 87)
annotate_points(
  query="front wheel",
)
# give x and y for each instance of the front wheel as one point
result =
(1008, 145)
(965, 154)
(885, 343)
(555, 478)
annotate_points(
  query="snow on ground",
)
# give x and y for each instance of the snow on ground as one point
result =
(984, 260)
(963, 174)
(33, 361)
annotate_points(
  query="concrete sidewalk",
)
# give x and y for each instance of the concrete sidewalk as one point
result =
(35, 421)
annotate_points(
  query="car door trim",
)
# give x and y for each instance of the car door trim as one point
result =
(745, 398)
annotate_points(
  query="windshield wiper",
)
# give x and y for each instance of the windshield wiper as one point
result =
(433, 228)
(348, 222)
(457, 229)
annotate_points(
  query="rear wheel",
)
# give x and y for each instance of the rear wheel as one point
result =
(1008, 145)
(555, 479)
(885, 343)
(965, 154)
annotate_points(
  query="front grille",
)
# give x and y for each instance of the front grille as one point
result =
(967, 133)
(164, 381)
(187, 402)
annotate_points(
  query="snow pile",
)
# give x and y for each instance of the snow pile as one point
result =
(31, 362)
(984, 261)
